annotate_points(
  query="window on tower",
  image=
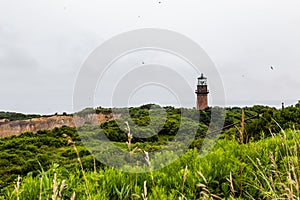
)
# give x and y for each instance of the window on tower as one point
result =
(202, 81)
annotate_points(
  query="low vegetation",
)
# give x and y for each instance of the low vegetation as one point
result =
(11, 116)
(263, 165)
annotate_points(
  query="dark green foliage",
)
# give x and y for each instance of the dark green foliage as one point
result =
(157, 125)
(103, 110)
(11, 116)
(270, 120)
(25, 153)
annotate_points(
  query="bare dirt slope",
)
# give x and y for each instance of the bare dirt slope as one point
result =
(9, 128)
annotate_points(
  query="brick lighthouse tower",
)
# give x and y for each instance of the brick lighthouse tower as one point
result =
(202, 92)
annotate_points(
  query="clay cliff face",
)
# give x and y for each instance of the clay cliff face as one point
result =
(8, 128)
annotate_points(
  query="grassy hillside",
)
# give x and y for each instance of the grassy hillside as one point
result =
(264, 165)
(267, 169)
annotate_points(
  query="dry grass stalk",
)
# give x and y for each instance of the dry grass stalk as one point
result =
(205, 190)
(242, 132)
(82, 170)
(183, 180)
(73, 196)
(147, 158)
(54, 189)
(145, 193)
(202, 176)
(57, 194)
(95, 169)
(274, 165)
(70, 141)
(130, 137)
(41, 188)
(131, 152)
(296, 183)
(17, 187)
(230, 180)
(62, 187)
(242, 127)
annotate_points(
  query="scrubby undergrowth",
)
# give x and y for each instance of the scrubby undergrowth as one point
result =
(266, 169)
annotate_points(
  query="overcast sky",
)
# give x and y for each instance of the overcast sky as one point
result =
(44, 43)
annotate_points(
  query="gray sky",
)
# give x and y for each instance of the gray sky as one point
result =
(43, 44)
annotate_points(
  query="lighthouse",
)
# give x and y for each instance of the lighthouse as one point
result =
(202, 92)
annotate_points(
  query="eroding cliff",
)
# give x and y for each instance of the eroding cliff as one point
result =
(9, 128)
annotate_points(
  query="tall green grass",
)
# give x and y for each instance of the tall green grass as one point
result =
(270, 170)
